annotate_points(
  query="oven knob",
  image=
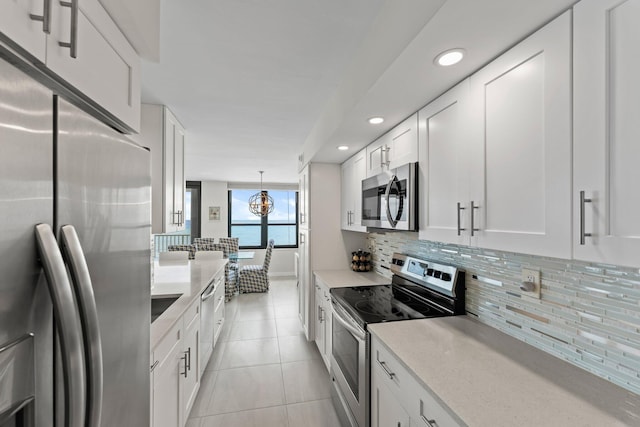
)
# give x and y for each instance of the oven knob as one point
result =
(429, 271)
(446, 277)
(437, 274)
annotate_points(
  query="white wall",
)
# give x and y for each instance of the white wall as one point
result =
(215, 193)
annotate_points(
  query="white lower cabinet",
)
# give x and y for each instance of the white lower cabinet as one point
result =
(190, 374)
(176, 371)
(386, 410)
(167, 396)
(323, 317)
(398, 399)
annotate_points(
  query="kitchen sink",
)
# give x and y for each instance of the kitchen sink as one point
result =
(160, 304)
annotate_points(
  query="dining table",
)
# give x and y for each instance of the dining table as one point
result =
(234, 258)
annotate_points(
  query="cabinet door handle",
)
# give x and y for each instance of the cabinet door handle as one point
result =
(383, 365)
(384, 156)
(301, 238)
(473, 208)
(583, 234)
(460, 229)
(45, 17)
(73, 41)
(430, 423)
(155, 364)
(184, 357)
(189, 358)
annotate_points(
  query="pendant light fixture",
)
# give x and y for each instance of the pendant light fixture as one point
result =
(261, 204)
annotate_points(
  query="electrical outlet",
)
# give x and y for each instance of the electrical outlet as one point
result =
(530, 277)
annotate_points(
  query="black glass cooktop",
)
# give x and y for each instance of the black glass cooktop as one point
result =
(383, 303)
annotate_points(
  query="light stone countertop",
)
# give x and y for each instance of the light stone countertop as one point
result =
(346, 278)
(488, 378)
(187, 279)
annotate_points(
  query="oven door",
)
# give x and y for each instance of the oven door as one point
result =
(350, 364)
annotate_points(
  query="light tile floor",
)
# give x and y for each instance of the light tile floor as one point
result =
(263, 371)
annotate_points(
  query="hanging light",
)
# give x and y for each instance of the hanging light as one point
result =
(261, 203)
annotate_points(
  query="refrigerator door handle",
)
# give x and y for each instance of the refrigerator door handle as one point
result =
(75, 259)
(69, 328)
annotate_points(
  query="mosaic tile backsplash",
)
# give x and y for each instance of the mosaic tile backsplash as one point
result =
(588, 314)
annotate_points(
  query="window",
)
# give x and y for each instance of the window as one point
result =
(192, 209)
(254, 232)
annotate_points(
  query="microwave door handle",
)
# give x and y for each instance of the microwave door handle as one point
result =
(393, 220)
(81, 279)
(69, 328)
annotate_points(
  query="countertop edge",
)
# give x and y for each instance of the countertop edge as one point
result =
(340, 278)
(167, 320)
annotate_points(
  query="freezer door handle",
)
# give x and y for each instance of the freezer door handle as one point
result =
(81, 279)
(69, 328)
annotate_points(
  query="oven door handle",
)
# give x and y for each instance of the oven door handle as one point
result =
(359, 334)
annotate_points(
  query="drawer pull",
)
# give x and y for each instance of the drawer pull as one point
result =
(383, 365)
(430, 423)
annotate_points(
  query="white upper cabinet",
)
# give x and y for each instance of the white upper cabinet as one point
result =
(444, 174)
(163, 134)
(26, 24)
(94, 58)
(303, 198)
(520, 156)
(395, 148)
(174, 182)
(354, 171)
(606, 131)
(106, 68)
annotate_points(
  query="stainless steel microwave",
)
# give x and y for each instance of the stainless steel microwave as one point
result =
(389, 199)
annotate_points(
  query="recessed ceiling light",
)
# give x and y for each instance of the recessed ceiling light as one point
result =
(449, 57)
(376, 120)
(343, 147)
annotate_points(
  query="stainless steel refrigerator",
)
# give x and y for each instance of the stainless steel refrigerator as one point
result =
(74, 300)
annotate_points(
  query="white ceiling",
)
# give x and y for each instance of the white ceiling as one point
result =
(258, 82)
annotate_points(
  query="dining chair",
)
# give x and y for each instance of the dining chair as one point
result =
(209, 255)
(173, 256)
(255, 278)
(189, 248)
(200, 241)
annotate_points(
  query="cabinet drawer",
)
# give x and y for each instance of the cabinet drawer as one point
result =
(168, 344)
(192, 314)
(426, 410)
(387, 366)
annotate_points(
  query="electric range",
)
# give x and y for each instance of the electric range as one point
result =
(419, 289)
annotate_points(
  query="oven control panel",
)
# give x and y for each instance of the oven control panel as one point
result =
(429, 273)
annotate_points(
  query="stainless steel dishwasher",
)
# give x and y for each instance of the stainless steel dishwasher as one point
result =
(207, 330)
